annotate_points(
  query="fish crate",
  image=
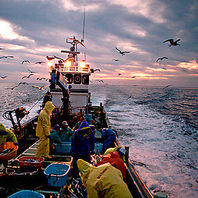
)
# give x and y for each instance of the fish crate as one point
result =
(64, 147)
(88, 118)
(30, 162)
(26, 193)
(98, 147)
(57, 174)
(10, 155)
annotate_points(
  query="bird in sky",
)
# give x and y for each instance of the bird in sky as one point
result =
(166, 86)
(41, 78)
(39, 62)
(1, 48)
(20, 83)
(133, 77)
(31, 71)
(3, 77)
(27, 76)
(6, 57)
(122, 52)
(49, 58)
(25, 61)
(172, 42)
(164, 57)
(119, 74)
(97, 70)
(128, 97)
(115, 59)
(40, 88)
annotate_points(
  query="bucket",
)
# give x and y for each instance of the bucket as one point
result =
(10, 155)
(26, 193)
(57, 174)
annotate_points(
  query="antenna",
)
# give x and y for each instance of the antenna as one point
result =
(82, 40)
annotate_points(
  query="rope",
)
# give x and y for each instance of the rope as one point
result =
(36, 102)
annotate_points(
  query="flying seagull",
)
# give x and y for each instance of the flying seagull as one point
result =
(31, 71)
(41, 78)
(166, 87)
(172, 43)
(27, 76)
(119, 74)
(6, 57)
(115, 59)
(25, 61)
(122, 52)
(39, 62)
(161, 58)
(97, 70)
(40, 88)
(133, 77)
(3, 77)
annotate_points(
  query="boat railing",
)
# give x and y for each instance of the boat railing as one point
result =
(73, 69)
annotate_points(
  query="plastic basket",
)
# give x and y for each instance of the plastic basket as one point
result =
(64, 147)
(88, 118)
(24, 163)
(98, 147)
(12, 154)
(26, 193)
(56, 174)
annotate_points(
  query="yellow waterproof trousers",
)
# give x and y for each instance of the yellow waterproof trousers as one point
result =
(44, 147)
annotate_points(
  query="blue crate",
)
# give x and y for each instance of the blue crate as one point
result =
(26, 193)
(64, 147)
(57, 174)
(98, 147)
(88, 118)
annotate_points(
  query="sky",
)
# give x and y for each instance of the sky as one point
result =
(33, 29)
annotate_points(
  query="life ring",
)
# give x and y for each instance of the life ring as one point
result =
(77, 79)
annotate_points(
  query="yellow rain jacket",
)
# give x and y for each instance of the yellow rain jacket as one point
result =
(6, 133)
(103, 181)
(43, 129)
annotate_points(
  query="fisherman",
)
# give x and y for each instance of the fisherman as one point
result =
(108, 138)
(43, 130)
(103, 181)
(82, 145)
(54, 135)
(78, 123)
(65, 132)
(6, 134)
(47, 97)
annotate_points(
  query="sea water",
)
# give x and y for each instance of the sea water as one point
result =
(160, 126)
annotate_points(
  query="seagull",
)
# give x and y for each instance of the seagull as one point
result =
(115, 59)
(128, 97)
(172, 43)
(49, 58)
(166, 87)
(27, 76)
(96, 69)
(119, 74)
(40, 88)
(133, 77)
(41, 78)
(25, 61)
(23, 83)
(39, 62)
(6, 57)
(3, 77)
(122, 52)
(161, 58)
(30, 71)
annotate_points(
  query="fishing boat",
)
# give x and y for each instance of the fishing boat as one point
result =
(69, 87)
